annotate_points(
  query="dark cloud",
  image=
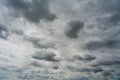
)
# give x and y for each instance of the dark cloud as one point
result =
(74, 28)
(45, 55)
(95, 70)
(115, 18)
(105, 23)
(90, 69)
(107, 63)
(20, 4)
(3, 32)
(36, 64)
(85, 58)
(106, 73)
(33, 10)
(56, 67)
(94, 45)
(111, 7)
(81, 78)
(107, 43)
(43, 45)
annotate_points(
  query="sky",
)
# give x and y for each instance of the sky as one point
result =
(59, 40)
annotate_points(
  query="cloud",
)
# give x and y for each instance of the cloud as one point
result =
(112, 7)
(106, 43)
(36, 64)
(107, 73)
(107, 62)
(85, 58)
(86, 36)
(3, 32)
(33, 10)
(38, 43)
(19, 32)
(114, 19)
(95, 70)
(74, 28)
(43, 45)
(56, 67)
(86, 69)
(46, 55)
(82, 78)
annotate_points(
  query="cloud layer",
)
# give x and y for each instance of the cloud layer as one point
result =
(59, 40)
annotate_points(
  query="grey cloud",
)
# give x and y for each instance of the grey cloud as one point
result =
(107, 63)
(90, 69)
(95, 70)
(33, 10)
(56, 67)
(45, 55)
(74, 28)
(43, 45)
(107, 7)
(37, 10)
(3, 32)
(32, 39)
(94, 45)
(81, 78)
(115, 18)
(106, 73)
(85, 58)
(38, 43)
(106, 43)
(36, 64)
(18, 32)
(20, 4)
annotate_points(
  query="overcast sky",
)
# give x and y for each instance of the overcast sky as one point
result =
(59, 39)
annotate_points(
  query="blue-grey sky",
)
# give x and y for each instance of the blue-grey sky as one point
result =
(59, 39)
